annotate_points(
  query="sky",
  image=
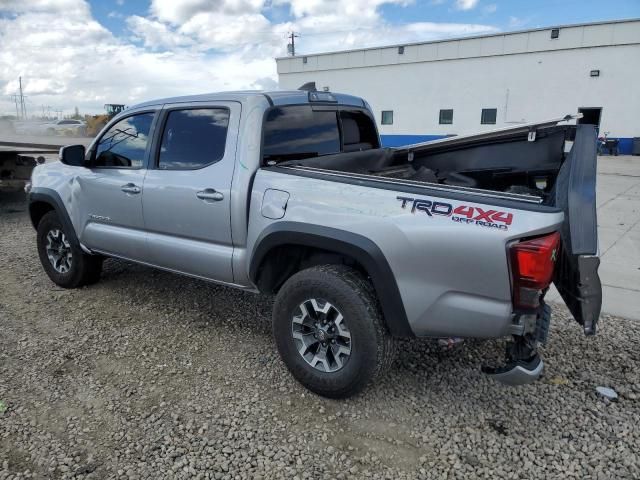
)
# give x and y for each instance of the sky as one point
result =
(78, 53)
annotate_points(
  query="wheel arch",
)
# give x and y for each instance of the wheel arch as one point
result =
(42, 201)
(285, 248)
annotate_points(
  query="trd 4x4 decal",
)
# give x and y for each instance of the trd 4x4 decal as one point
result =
(461, 213)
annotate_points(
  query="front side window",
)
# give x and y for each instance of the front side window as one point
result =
(387, 117)
(125, 143)
(489, 116)
(193, 138)
(297, 132)
(446, 117)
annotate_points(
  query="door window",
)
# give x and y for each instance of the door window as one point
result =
(193, 138)
(125, 143)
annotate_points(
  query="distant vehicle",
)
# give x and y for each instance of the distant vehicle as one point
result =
(62, 127)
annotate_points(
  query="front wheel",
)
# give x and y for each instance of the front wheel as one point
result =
(330, 332)
(63, 261)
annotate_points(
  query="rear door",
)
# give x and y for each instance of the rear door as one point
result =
(187, 190)
(576, 275)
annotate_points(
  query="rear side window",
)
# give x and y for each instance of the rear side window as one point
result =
(297, 132)
(193, 138)
(358, 131)
(125, 143)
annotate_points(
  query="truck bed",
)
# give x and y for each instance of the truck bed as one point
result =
(519, 163)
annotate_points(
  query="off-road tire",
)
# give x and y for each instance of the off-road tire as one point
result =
(84, 269)
(372, 348)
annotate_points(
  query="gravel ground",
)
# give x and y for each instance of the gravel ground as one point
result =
(151, 375)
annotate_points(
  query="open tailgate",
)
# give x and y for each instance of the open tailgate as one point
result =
(576, 274)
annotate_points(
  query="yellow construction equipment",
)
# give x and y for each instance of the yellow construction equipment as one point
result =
(97, 122)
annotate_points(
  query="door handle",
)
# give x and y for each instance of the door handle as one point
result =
(210, 194)
(130, 188)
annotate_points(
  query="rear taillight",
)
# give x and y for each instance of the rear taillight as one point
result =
(532, 263)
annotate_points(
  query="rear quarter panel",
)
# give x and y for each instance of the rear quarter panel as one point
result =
(453, 277)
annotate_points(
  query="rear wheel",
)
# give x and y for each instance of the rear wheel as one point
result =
(63, 261)
(329, 330)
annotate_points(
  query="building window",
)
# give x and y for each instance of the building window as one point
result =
(304, 59)
(555, 33)
(401, 50)
(387, 117)
(489, 116)
(446, 117)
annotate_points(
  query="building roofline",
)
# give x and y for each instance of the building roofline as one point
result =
(471, 37)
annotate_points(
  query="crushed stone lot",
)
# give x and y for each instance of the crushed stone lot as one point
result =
(153, 375)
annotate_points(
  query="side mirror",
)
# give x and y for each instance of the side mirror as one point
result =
(72, 155)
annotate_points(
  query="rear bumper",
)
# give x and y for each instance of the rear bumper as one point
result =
(462, 315)
(457, 314)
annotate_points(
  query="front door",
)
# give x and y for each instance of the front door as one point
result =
(187, 190)
(111, 189)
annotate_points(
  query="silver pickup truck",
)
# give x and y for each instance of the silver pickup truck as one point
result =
(290, 193)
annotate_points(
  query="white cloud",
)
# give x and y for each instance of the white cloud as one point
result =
(51, 6)
(466, 4)
(71, 60)
(156, 35)
(490, 8)
(67, 59)
(177, 12)
(517, 22)
(351, 8)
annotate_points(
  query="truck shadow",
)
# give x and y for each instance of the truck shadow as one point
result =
(219, 309)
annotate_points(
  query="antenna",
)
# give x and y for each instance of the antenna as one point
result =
(291, 47)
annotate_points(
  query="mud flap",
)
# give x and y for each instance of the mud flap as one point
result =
(576, 274)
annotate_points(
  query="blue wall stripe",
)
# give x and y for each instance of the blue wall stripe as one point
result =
(624, 147)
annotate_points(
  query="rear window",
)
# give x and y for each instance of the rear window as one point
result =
(297, 132)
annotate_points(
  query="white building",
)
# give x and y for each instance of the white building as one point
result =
(421, 91)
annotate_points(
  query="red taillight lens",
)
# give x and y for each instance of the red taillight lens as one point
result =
(532, 264)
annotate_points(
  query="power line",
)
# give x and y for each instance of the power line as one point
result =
(15, 97)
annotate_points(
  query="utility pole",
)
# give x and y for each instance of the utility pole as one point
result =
(23, 107)
(291, 47)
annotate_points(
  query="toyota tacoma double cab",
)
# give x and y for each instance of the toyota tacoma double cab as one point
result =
(290, 193)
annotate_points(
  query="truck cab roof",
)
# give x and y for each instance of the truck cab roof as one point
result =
(274, 97)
